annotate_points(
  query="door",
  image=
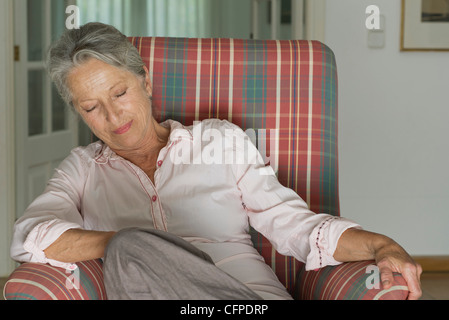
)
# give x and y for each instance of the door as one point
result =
(46, 130)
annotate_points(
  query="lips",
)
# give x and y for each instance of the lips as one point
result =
(124, 128)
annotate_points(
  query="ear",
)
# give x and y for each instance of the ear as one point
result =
(148, 84)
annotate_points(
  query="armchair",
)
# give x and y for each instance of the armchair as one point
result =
(282, 92)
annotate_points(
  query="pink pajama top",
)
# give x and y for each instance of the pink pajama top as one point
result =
(210, 185)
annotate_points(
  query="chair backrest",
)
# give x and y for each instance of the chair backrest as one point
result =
(285, 87)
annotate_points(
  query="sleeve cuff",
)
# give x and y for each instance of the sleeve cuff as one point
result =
(323, 242)
(42, 236)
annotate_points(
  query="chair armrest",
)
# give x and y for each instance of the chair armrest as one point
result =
(33, 281)
(348, 281)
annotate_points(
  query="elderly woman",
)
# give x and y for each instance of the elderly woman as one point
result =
(170, 229)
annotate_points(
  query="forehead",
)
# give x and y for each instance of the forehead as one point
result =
(95, 75)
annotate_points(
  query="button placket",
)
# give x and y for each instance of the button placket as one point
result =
(155, 207)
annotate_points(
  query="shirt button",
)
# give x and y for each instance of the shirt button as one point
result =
(159, 163)
(154, 198)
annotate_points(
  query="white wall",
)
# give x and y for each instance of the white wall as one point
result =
(393, 130)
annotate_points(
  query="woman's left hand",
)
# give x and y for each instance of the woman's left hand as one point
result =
(390, 257)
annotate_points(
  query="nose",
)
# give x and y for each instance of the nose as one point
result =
(113, 112)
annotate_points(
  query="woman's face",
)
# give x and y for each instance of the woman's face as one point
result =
(113, 102)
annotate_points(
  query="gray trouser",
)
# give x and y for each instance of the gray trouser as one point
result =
(152, 264)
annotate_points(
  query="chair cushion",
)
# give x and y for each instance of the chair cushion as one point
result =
(32, 281)
(348, 281)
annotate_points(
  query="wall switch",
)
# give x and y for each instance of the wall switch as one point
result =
(376, 39)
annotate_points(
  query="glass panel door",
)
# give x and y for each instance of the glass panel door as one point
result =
(36, 108)
(46, 110)
(36, 34)
(46, 131)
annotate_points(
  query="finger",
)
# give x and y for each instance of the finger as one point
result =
(386, 277)
(412, 276)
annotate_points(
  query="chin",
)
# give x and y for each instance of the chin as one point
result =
(127, 143)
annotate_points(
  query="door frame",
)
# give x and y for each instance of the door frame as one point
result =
(315, 21)
(7, 136)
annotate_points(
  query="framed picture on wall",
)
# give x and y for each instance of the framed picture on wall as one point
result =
(425, 25)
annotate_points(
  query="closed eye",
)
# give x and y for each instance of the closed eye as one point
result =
(91, 109)
(121, 94)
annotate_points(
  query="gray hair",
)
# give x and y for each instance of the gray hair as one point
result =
(92, 40)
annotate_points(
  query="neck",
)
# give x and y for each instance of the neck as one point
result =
(145, 156)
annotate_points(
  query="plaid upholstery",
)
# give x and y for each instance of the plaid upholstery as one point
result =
(32, 281)
(286, 85)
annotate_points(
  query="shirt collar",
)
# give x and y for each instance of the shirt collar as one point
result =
(178, 132)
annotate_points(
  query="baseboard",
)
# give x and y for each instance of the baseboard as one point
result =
(433, 263)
